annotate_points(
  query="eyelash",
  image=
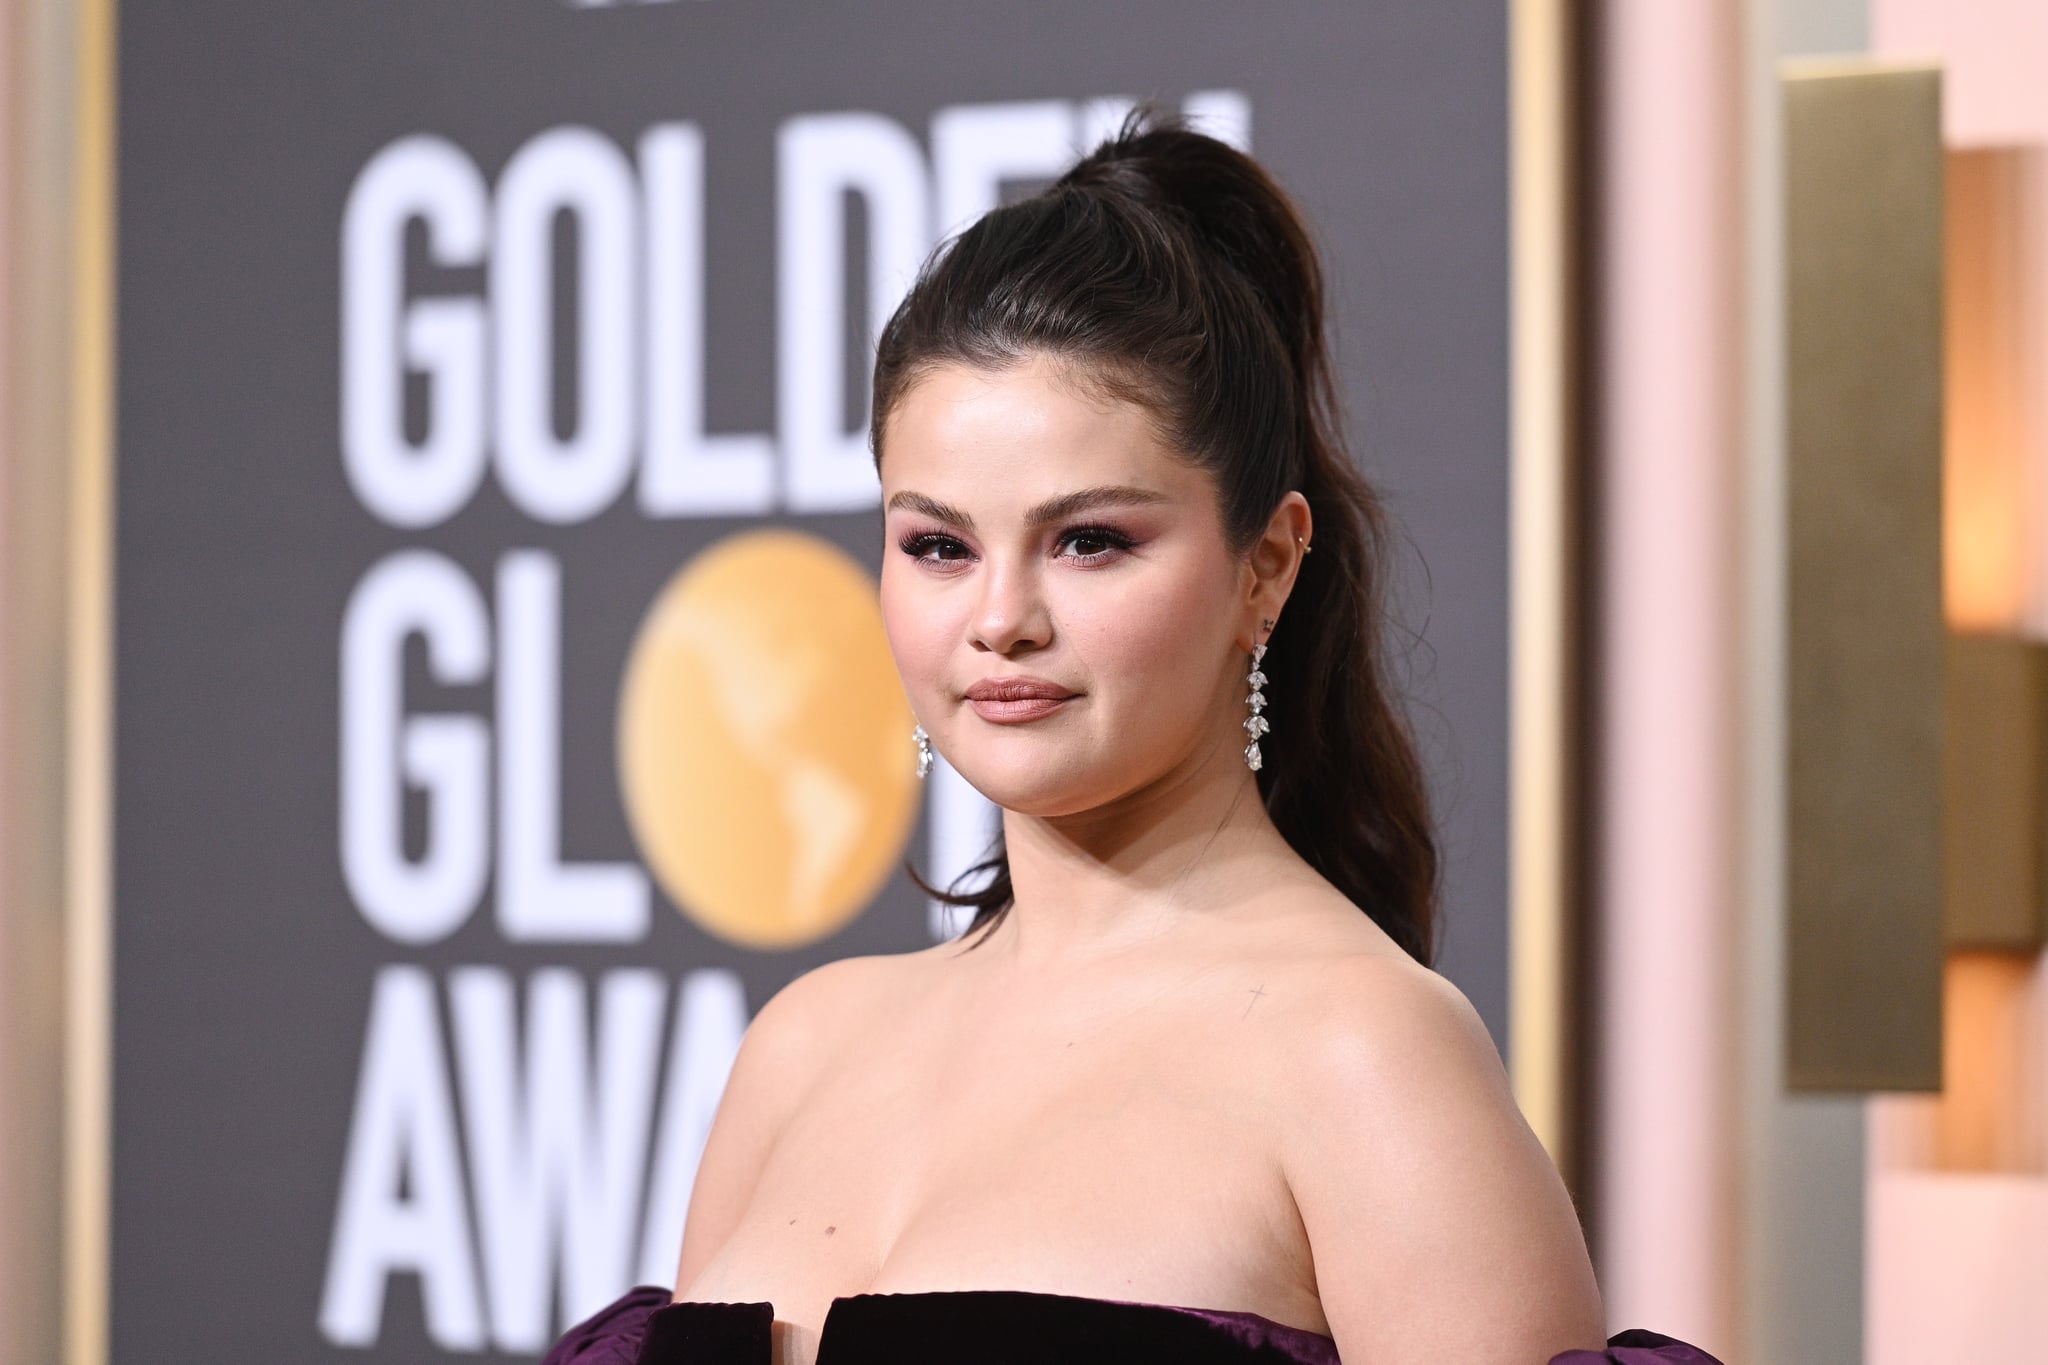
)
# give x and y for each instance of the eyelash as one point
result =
(918, 542)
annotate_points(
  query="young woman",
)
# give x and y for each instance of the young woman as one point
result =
(1187, 1089)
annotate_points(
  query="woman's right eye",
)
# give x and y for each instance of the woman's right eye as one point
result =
(922, 546)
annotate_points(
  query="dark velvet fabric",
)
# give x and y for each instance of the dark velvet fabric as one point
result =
(1015, 1327)
(992, 1327)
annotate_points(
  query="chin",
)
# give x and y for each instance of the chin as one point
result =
(1041, 785)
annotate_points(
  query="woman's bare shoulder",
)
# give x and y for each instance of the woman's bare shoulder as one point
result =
(808, 1020)
(1375, 1007)
(1404, 1149)
(1346, 986)
(1368, 1031)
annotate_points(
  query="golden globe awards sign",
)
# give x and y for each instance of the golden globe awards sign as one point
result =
(503, 707)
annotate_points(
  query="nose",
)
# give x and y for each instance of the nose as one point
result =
(1010, 615)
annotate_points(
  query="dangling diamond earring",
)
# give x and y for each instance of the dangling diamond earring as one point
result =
(1256, 724)
(924, 749)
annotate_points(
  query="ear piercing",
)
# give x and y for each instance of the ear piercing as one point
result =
(924, 749)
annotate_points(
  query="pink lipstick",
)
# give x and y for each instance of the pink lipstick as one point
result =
(1016, 699)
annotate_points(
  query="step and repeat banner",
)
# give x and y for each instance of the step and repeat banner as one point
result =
(503, 711)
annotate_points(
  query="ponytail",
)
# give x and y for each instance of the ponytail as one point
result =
(1182, 277)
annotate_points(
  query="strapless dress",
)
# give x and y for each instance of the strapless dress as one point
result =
(991, 1327)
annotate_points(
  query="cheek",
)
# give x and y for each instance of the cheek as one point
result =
(1159, 641)
(913, 627)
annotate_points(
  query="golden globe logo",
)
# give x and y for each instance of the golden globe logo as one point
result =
(764, 752)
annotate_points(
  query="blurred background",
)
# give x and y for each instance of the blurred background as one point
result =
(442, 693)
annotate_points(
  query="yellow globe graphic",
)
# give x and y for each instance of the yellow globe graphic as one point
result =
(764, 741)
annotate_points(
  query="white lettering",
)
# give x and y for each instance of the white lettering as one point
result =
(540, 896)
(962, 826)
(686, 471)
(711, 1017)
(413, 592)
(580, 173)
(402, 1136)
(976, 147)
(1098, 118)
(1225, 115)
(556, 1153)
(820, 159)
(407, 484)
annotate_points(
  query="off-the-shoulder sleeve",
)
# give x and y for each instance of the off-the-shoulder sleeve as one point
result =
(612, 1335)
(1638, 1347)
(641, 1327)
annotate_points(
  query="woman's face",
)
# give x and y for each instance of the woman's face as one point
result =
(1033, 532)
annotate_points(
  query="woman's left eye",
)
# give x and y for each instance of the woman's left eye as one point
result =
(1094, 544)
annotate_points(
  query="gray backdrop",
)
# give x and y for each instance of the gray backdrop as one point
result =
(245, 970)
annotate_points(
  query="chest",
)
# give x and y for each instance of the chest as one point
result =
(1131, 1160)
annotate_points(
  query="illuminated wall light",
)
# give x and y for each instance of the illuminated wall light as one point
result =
(1992, 436)
(1989, 1115)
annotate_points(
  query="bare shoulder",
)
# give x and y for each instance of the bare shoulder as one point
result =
(1381, 1020)
(801, 1023)
(1438, 1226)
(803, 1026)
(792, 1039)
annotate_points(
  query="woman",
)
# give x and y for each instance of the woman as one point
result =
(1172, 1097)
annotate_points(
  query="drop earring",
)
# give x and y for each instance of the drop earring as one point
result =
(924, 749)
(1256, 723)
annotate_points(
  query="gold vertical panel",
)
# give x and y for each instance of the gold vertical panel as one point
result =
(1993, 818)
(1863, 355)
(1541, 927)
(89, 759)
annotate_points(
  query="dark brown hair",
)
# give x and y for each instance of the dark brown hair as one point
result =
(1170, 269)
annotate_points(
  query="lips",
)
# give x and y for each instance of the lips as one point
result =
(1008, 701)
(1018, 689)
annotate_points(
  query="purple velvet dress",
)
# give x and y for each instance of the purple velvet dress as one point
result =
(991, 1327)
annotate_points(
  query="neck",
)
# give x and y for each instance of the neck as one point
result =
(1196, 841)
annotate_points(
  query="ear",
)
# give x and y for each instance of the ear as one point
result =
(1270, 567)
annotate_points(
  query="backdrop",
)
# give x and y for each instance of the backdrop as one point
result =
(492, 499)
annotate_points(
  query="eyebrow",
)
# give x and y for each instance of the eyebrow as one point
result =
(1051, 510)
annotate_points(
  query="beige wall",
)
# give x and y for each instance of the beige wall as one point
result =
(1727, 1210)
(37, 161)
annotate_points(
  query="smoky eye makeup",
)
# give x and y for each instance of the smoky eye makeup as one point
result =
(1093, 544)
(918, 544)
(1111, 542)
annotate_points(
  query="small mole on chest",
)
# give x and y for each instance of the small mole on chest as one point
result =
(830, 1230)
